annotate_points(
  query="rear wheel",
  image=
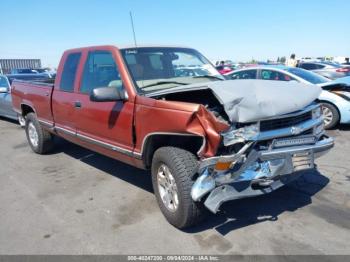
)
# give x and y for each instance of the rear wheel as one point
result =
(172, 172)
(330, 115)
(40, 140)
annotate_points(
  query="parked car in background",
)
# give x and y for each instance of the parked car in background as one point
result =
(6, 102)
(190, 71)
(28, 71)
(202, 147)
(334, 99)
(326, 69)
(223, 69)
(30, 77)
(23, 71)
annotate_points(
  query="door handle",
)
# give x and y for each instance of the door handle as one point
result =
(77, 104)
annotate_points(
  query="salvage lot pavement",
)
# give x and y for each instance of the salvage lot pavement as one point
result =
(74, 201)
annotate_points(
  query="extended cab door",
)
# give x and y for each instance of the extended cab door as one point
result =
(63, 98)
(106, 126)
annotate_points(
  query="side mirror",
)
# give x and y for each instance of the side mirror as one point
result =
(108, 94)
(4, 90)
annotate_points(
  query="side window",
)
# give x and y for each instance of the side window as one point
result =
(285, 77)
(69, 71)
(100, 70)
(318, 66)
(309, 66)
(246, 74)
(274, 75)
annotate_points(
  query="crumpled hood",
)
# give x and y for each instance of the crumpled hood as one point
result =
(252, 100)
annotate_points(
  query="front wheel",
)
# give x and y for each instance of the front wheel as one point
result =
(330, 115)
(172, 172)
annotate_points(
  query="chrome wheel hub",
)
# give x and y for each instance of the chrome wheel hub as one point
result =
(327, 115)
(167, 188)
(33, 135)
(21, 120)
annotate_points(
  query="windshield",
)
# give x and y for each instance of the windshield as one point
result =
(157, 68)
(3, 82)
(311, 77)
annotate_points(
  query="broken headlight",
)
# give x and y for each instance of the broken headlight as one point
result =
(317, 112)
(246, 133)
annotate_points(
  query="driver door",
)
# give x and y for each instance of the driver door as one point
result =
(104, 125)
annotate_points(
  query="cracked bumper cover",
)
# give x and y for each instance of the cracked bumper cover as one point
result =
(262, 173)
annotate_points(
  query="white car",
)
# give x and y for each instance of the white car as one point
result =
(334, 99)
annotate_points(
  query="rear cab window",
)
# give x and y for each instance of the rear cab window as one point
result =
(69, 72)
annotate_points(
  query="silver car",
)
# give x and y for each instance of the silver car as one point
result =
(326, 69)
(6, 101)
(334, 98)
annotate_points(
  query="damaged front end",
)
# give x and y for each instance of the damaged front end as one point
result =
(270, 154)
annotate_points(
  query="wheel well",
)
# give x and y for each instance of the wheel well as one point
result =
(187, 142)
(26, 110)
(327, 102)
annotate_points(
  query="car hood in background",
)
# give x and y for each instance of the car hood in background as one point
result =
(252, 100)
(343, 81)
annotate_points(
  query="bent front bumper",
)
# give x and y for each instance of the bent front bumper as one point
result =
(261, 173)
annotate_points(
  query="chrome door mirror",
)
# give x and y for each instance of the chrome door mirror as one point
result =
(108, 94)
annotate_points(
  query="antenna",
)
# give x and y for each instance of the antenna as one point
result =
(133, 29)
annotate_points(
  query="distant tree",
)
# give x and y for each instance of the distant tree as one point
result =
(283, 59)
(278, 59)
(252, 61)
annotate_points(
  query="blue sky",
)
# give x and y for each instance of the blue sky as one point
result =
(236, 29)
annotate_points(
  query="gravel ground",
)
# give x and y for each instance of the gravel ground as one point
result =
(75, 201)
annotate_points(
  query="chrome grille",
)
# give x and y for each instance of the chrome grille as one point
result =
(279, 123)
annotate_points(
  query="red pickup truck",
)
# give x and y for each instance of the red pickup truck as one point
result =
(205, 139)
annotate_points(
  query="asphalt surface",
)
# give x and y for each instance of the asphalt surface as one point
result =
(74, 201)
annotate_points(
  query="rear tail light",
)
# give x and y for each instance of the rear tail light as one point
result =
(343, 70)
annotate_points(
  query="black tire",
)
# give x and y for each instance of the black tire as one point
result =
(45, 139)
(331, 109)
(183, 166)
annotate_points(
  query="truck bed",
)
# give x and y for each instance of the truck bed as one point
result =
(31, 93)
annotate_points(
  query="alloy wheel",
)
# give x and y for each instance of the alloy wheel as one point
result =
(33, 134)
(167, 188)
(327, 115)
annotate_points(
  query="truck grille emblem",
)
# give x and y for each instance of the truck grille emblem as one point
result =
(295, 130)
